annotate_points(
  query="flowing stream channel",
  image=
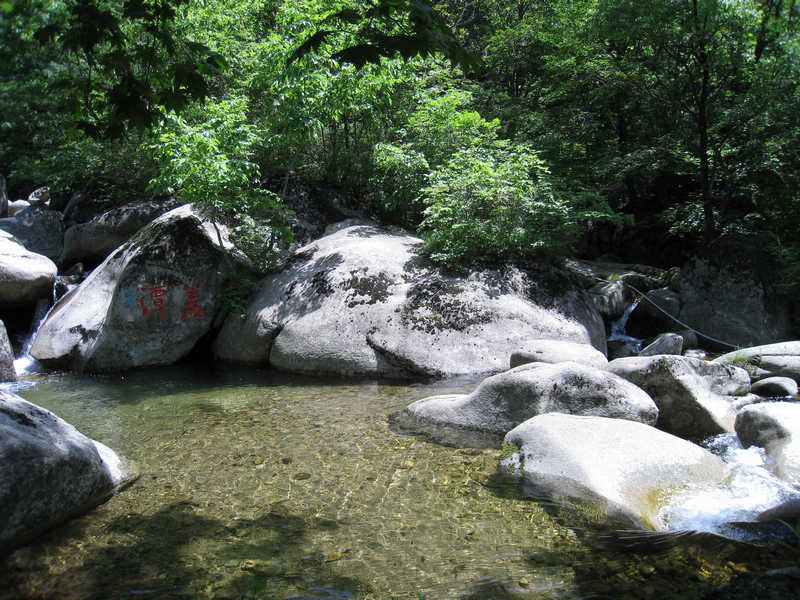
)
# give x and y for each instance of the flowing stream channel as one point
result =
(304, 486)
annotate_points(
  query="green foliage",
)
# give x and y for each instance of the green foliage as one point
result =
(387, 29)
(398, 175)
(255, 589)
(209, 163)
(795, 529)
(236, 288)
(495, 202)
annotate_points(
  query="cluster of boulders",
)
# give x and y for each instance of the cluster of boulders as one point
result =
(361, 301)
(623, 435)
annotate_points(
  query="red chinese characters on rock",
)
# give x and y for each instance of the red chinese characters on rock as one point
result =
(157, 295)
(153, 301)
(193, 308)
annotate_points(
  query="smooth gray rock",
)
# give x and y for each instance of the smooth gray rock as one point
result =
(146, 305)
(774, 426)
(25, 276)
(552, 352)
(693, 396)
(504, 401)
(778, 360)
(92, 242)
(666, 343)
(361, 302)
(40, 231)
(727, 293)
(51, 471)
(624, 468)
(774, 387)
(7, 371)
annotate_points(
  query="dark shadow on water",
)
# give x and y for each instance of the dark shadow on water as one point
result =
(159, 556)
(624, 563)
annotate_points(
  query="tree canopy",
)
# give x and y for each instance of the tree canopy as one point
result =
(640, 128)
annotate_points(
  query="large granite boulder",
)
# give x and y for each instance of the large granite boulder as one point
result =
(361, 301)
(771, 360)
(51, 471)
(25, 277)
(90, 243)
(504, 401)
(694, 397)
(626, 469)
(7, 371)
(774, 426)
(552, 351)
(39, 230)
(727, 293)
(146, 305)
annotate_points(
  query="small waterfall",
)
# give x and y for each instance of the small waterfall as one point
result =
(618, 332)
(751, 490)
(25, 363)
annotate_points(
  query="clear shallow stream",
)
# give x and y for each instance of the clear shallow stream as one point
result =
(304, 484)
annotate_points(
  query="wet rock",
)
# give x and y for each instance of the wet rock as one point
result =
(666, 343)
(92, 242)
(361, 302)
(781, 360)
(552, 352)
(25, 276)
(693, 396)
(774, 426)
(39, 230)
(504, 401)
(146, 305)
(624, 468)
(7, 371)
(51, 471)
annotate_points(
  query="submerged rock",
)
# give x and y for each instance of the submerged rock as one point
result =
(146, 305)
(694, 397)
(51, 471)
(624, 468)
(504, 401)
(361, 302)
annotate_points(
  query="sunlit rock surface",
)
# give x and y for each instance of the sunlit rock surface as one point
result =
(694, 397)
(148, 304)
(626, 469)
(504, 401)
(362, 302)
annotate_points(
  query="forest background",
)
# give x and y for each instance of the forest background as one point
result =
(496, 129)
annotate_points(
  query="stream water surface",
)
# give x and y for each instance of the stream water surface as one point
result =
(304, 485)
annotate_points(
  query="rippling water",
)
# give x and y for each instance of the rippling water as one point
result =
(303, 484)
